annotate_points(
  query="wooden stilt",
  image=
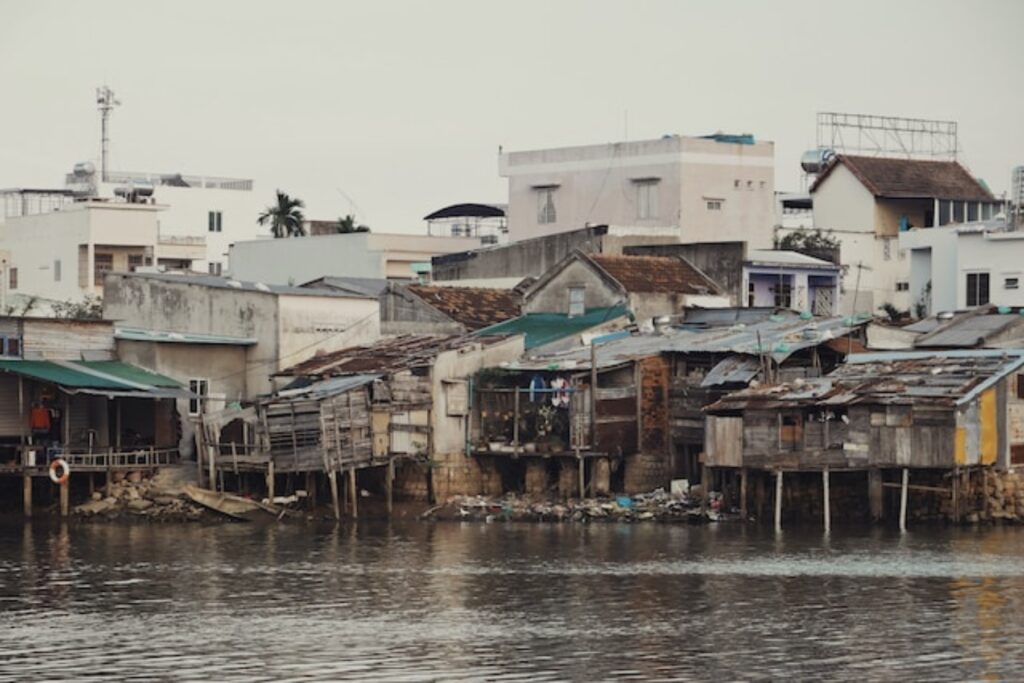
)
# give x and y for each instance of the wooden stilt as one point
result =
(270, 480)
(65, 498)
(778, 500)
(582, 476)
(744, 475)
(705, 485)
(92, 484)
(760, 495)
(212, 454)
(390, 485)
(875, 503)
(26, 483)
(311, 490)
(333, 477)
(956, 496)
(353, 492)
(903, 499)
(825, 503)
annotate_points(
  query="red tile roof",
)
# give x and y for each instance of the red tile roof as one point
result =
(668, 274)
(911, 178)
(474, 307)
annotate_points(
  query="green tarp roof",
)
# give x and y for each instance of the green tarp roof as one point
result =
(544, 328)
(111, 377)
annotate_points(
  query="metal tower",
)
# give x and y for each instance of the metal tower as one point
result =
(105, 102)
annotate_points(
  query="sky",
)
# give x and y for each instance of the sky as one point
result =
(390, 110)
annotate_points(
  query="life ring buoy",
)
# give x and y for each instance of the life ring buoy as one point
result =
(62, 465)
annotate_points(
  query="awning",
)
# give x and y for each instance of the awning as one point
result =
(100, 378)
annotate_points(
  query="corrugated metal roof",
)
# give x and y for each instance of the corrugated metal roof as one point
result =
(783, 257)
(779, 337)
(911, 377)
(544, 328)
(733, 370)
(969, 331)
(327, 387)
(138, 334)
(218, 282)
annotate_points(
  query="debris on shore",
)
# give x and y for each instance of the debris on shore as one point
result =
(141, 498)
(655, 506)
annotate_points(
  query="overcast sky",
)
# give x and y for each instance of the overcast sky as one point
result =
(401, 106)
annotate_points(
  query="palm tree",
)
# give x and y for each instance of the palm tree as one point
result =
(285, 219)
(348, 224)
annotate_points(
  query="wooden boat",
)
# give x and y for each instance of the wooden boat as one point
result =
(229, 504)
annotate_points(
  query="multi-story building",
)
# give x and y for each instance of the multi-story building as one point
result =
(199, 210)
(707, 189)
(864, 203)
(63, 254)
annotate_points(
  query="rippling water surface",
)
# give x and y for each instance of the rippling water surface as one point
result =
(418, 601)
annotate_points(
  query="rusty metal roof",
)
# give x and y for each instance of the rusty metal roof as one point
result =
(474, 307)
(384, 356)
(661, 274)
(947, 378)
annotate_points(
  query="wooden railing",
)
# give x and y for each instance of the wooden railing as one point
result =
(110, 459)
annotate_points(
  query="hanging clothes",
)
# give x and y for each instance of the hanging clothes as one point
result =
(536, 385)
(560, 397)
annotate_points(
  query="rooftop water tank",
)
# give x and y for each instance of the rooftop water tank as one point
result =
(815, 160)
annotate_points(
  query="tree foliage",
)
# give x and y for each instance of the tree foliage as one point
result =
(89, 308)
(347, 224)
(285, 218)
(806, 240)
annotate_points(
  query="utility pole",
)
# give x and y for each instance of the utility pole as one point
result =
(105, 102)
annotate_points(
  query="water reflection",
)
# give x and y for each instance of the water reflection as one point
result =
(508, 602)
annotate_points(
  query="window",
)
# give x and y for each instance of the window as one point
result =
(214, 221)
(134, 261)
(751, 294)
(714, 205)
(546, 205)
(977, 289)
(750, 184)
(201, 389)
(646, 198)
(56, 270)
(1020, 386)
(736, 184)
(10, 346)
(791, 431)
(577, 301)
(783, 294)
(763, 184)
(13, 275)
(1011, 283)
(103, 264)
(902, 286)
(216, 267)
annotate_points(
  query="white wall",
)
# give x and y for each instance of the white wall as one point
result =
(35, 242)
(321, 324)
(187, 215)
(300, 259)
(597, 184)
(945, 255)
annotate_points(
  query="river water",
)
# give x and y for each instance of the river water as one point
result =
(459, 601)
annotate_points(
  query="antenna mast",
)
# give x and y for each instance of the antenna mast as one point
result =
(105, 102)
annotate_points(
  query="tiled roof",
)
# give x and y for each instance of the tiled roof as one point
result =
(886, 177)
(385, 355)
(668, 274)
(474, 307)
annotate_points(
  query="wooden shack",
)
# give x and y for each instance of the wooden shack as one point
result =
(944, 416)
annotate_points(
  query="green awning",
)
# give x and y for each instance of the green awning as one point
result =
(108, 378)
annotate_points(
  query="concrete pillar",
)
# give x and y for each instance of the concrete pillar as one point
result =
(568, 479)
(903, 499)
(600, 476)
(26, 483)
(744, 475)
(875, 506)
(778, 500)
(65, 498)
(826, 509)
(536, 476)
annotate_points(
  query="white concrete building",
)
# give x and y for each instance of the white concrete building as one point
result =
(965, 266)
(63, 255)
(708, 189)
(866, 202)
(297, 260)
(206, 211)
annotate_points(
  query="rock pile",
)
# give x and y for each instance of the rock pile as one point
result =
(656, 506)
(141, 497)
